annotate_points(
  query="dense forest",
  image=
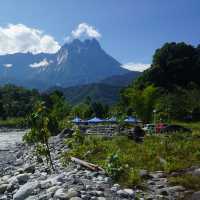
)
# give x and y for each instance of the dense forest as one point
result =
(170, 87)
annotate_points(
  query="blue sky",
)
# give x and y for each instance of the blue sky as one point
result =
(130, 30)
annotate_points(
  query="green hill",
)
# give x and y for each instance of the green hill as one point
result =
(100, 92)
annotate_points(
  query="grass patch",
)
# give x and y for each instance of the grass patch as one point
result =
(187, 180)
(122, 158)
(13, 123)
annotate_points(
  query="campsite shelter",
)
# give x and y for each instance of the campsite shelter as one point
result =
(131, 120)
(112, 120)
(77, 120)
(95, 120)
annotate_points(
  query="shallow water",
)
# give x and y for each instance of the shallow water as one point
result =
(8, 138)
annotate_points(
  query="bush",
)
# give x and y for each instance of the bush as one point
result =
(123, 158)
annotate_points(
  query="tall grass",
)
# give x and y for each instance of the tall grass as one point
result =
(170, 153)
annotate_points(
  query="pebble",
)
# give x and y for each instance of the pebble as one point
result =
(31, 180)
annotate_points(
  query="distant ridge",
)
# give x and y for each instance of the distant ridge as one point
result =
(107, 91)
(76, 63)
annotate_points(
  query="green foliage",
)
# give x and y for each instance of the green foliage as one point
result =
(141, 101)
(18, 122)
(82, 110)
(174, 64)
(90, 108)
(188, 181)
(113, 166)
(16, 101)
(123, 158)
(40, 132)
(104, 93)
(174, 74)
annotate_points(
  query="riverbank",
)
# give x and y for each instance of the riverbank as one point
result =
(24, 177)
(13, 123)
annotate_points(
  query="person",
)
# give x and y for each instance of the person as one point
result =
(137, 134)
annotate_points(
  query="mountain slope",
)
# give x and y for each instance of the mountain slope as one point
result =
(76, 63)
(97, 92)
(107, 91)
(121, 80)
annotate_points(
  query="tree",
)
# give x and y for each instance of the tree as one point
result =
(82, 110)
(142, 102)
(40, 132)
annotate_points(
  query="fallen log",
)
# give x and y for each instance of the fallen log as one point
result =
(86, 164)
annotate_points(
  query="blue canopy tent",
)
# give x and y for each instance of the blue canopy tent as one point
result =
(132, 120)
(95, 120)
(112, 120)
(77, 120)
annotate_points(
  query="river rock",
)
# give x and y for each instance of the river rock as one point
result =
(130, 192)
(3, 188)
(75, 198)
(196, 172)
(13, 184)
(29, 169)
(25, 190)
(195, 196)
(19, 162)
(22, 178)
(61, 194)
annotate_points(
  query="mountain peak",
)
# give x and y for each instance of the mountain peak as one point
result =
(76, 63)
(77, 43)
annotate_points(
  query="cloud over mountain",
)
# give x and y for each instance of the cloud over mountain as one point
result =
(84, 31)
(43, 63)
(16, 38)
(136, 66)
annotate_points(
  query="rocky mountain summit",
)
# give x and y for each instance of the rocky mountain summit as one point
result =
(76, 63)
(24, 177)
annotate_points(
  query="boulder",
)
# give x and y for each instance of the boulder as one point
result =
(22, 178)
(195, 196)
(60, 194)
(29, 169)
(3, 188)
(25, 190)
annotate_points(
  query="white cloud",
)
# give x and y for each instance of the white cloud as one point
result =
(20, 38)
(43, 63)
(83, 31)
(8, 65)
(136, 66)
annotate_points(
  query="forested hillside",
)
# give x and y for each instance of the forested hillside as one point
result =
(171, 87)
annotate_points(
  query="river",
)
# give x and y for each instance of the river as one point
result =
(8, 138)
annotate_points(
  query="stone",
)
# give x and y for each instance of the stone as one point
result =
(72, 193)
(19, 162)
(176, 188)
(196, 172)
(45, 184)
(52, 190)
(3, 188)
(143, 173)
(195, 196)
(122, 193)
(75, 198)
(30, 169)
(22, 178)
(13, 184)
(60, 194)
(130, 192)
(25, 190)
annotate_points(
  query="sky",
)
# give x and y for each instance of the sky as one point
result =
(129, 30)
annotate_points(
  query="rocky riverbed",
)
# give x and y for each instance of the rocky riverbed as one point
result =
(23, 177)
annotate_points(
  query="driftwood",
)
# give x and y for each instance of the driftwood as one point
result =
(86, 164)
